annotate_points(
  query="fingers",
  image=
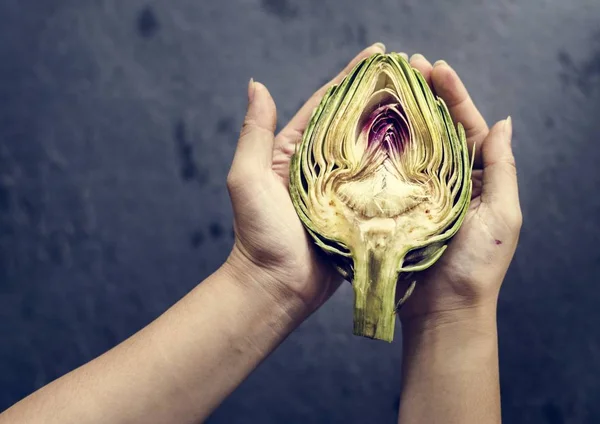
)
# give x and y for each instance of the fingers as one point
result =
(254, 151)
(422, 65)
(295, 128)
(500, 190)
(450, 88)
(477, 181)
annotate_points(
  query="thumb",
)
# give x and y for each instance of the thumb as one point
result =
(254, 151)
(500, 190)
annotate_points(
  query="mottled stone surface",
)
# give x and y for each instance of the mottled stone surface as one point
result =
(118, 122)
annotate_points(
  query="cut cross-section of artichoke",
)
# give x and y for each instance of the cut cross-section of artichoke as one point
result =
(382, 181)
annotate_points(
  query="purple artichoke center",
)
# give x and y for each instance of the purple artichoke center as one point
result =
(388, 128)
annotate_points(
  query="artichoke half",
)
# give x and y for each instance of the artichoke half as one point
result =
(381, 180)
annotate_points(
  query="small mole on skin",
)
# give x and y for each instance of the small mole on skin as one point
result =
(498, 241)
(426, 210)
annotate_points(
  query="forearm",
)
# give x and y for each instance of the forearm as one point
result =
(450, 369)
(179, 368)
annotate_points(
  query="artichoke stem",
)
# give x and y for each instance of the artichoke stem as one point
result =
(375, 280)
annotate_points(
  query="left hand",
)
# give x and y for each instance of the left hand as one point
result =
(271, 246)
(469, 274)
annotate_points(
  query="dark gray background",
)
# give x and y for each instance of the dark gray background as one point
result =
(118, 120)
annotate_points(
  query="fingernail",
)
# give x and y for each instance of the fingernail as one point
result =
(251, 89)
(508, 129)
(380, 46)
(417, 56)
(404, 55)
(440, 62)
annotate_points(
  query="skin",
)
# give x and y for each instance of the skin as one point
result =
(184, 364)
(450, 348)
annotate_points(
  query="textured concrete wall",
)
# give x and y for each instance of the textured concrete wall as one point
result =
(118, 121)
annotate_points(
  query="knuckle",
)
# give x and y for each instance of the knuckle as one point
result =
(232, 181)
(505, 164)
(477, 132)
(509, 161)
(506, 161)
(240, 175)
(247, 127)
(254, 128)
(236, 178)
(457, 101)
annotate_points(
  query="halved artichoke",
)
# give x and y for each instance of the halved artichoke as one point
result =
(381, 180)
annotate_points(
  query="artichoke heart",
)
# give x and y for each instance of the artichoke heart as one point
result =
(381, 181)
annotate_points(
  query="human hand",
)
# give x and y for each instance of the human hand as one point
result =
(271, 247)
(470, 272)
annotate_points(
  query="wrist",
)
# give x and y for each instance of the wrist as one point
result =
(473, 320)
(437, 297)
(480, 314)
(261, 287)
(453, 335)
